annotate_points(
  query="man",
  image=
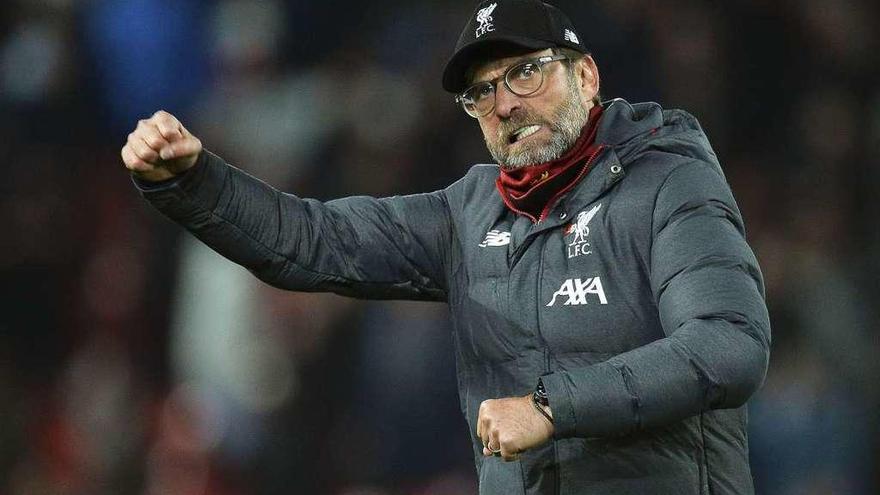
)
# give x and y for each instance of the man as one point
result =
(609, 321)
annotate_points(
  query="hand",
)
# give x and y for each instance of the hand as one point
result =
(512, 425)
(160, 148)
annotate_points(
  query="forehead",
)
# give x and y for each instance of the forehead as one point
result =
(494, 68)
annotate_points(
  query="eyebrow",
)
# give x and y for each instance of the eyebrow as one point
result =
(506, 68)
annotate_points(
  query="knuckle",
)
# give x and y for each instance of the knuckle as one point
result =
(145, 153)
(131, 161)
(154, 141)
(167, 127)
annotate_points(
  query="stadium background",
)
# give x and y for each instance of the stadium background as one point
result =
(134, 361)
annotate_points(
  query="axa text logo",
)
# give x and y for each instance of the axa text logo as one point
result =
(577, 291)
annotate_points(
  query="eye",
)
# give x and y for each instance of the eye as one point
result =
(525, 72)
(483, 91)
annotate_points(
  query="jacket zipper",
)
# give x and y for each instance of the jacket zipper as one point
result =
(588, 165)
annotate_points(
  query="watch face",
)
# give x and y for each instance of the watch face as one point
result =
(541, 399)
(539, 390)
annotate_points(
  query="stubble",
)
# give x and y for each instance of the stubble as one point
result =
(565, 129)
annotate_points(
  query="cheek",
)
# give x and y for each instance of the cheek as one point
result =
(553, 96)
(489, 130)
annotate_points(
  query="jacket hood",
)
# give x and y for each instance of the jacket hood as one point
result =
(633, 129)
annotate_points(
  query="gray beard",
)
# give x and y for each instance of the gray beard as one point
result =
(565, 130)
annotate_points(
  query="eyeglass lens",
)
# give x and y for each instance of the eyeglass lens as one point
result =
(521, 79)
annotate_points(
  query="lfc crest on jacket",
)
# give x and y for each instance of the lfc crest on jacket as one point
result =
(579, 245)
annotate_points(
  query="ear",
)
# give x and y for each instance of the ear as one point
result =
(588, 78)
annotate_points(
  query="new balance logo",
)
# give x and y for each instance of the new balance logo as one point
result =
(496, 238)
(570, 36)
(576, 292)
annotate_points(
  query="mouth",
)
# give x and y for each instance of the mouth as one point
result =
(522, 133)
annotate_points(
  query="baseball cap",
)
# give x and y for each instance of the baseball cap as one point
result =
(529, 24)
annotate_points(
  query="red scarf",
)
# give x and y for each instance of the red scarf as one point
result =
(531, 190)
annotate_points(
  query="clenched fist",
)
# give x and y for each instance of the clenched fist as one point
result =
(160, 148)
(510, 426)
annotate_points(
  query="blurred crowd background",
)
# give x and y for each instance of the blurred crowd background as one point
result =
(135, 361)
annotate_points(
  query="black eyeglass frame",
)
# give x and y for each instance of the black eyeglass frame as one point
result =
(539, 62)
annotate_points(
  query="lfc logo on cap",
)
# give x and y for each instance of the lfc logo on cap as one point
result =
(484, 17)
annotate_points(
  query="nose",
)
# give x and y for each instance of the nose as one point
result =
(506, 102)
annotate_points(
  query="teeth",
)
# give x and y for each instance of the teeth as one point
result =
(525, 132)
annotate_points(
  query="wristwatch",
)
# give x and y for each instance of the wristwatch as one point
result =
(541, 402)
(540, 395)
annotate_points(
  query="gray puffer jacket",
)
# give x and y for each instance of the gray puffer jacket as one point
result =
(637, 299)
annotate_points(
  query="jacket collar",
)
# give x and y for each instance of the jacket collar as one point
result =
(633, 128)
(623, 121)
(627, 131)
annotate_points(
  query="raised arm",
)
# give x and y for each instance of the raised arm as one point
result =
(363, 247)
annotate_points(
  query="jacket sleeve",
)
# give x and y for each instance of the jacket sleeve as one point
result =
(359, 246)
(710, 296)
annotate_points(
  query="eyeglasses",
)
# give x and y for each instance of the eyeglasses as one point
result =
(522, 79)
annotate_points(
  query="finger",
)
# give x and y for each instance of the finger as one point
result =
(184, 147)
(484, 438)
(481, 419)
(142, 149)
(154, 139)
(132, 162)
(509, 454)
(145, 126)
(168, 125)
(493, 445)
(508, 451)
